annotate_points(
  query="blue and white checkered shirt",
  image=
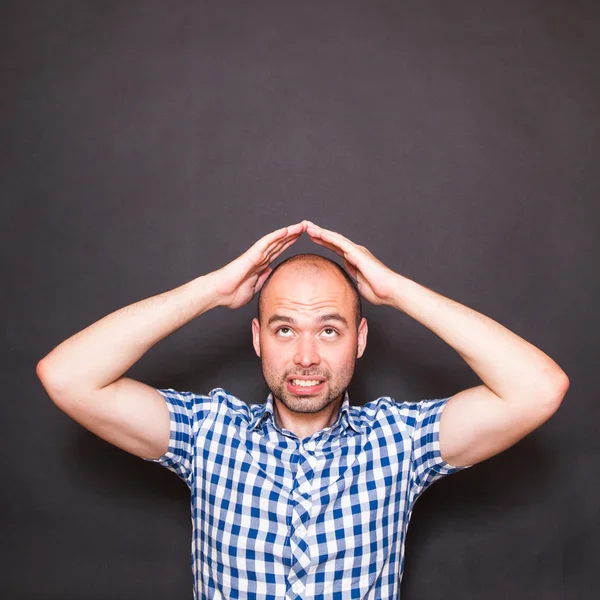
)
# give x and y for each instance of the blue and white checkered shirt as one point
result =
(276, 517)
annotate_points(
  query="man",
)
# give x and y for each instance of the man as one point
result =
(304, 496)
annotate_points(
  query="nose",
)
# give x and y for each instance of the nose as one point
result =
(306, 352)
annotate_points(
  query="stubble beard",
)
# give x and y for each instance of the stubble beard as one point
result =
(310, 404)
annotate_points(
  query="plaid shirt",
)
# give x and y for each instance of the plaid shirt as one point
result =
(276, 517)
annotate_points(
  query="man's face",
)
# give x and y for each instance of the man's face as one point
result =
(308, 340)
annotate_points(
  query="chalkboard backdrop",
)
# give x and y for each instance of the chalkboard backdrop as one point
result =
(145, 143)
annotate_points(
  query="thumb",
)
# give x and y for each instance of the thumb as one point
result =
(261, 279)
(351, 269)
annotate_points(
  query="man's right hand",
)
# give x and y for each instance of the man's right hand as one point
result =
(237, 282)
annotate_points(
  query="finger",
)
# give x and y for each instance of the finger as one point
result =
(335, 242)
(328, 246)
(351, 269)
(279, 234)
(337, 239)
(261, 279)
(295, 230)
(325, 234)
(314, 226)
(270, 256)
(290, 242)
(272, 237)
(286, 242)
(269, 242)
(280, 249)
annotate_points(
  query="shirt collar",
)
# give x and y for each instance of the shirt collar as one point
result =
(266, 410)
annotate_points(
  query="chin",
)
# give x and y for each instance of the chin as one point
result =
(307, 404)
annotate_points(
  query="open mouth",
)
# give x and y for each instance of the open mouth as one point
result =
(304, 385)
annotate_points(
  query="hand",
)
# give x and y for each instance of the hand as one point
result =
(374, 280)
(237, 282)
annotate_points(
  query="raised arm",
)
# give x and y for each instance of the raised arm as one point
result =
(84, 374)
(523, 387)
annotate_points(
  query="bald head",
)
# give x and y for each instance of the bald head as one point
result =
(313, 266)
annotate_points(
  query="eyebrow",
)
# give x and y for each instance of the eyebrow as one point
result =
(320, 319)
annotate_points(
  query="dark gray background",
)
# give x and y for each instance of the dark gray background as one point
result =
(146, 143)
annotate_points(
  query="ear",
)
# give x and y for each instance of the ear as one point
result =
(363, 329)
(256, 336)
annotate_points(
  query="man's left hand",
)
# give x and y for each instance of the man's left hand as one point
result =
(374, 280)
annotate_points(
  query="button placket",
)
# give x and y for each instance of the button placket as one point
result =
(301, 515)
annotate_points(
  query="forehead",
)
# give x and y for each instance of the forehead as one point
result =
(308, 290)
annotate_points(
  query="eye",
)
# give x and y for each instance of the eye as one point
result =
(281, 330)
(331, 330)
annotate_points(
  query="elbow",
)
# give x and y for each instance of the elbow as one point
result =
(561, 384)
(50, 380)
(553, 378)
(41, 370)
(565, 383)
(558, 389)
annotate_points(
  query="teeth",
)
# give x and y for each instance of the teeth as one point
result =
(305, 383)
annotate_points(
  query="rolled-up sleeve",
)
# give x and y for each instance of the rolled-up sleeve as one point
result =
(427, 462)
(187, 412)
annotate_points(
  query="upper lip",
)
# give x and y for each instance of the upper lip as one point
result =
(305, 378)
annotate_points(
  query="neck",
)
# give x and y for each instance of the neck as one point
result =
(305, 424)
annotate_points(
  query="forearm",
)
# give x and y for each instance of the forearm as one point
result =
(100, 354)
(506, 363)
